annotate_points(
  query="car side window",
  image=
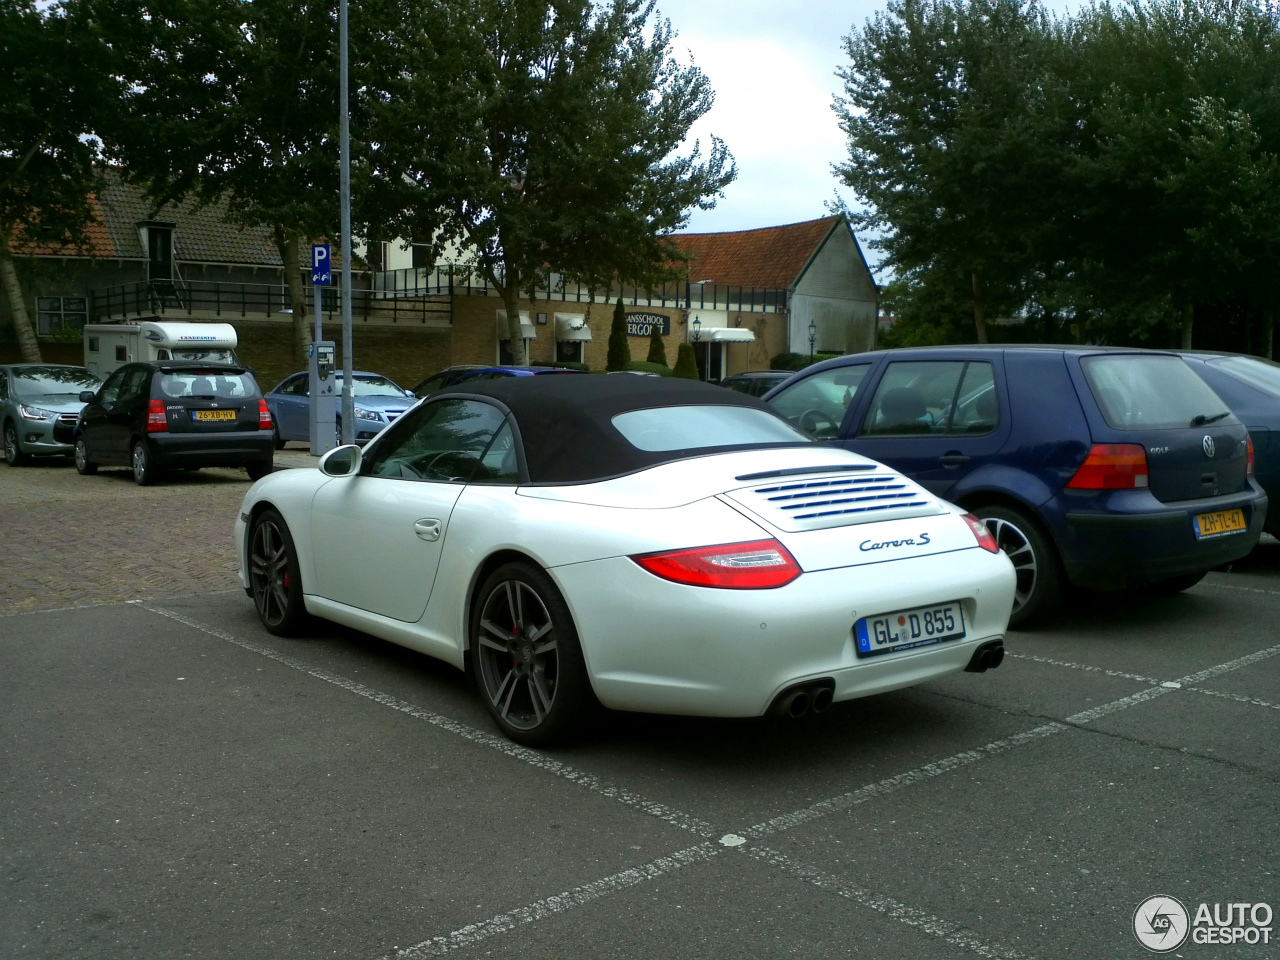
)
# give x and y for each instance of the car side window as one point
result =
(430, 385)
(443, 442)
(914, 397)
(297, 387)
(977, 407)
(4, 385)
(135, 384)
(500, 463)
(817, 404)
(111, 389)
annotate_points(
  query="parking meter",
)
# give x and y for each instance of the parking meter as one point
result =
(324, 391)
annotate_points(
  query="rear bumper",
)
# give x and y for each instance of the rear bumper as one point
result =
(1144, 540)
(202, 450)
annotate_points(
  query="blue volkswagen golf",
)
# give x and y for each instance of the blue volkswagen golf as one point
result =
(1099, 467)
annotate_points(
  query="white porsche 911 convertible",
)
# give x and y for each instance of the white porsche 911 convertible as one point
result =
(651, 544)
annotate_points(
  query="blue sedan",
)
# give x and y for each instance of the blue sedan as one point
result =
(379, 400)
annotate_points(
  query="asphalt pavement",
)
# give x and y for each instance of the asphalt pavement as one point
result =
(175, 782)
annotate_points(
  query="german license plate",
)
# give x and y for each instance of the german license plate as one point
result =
(1217, 524)
(907, 629)
(213, 414)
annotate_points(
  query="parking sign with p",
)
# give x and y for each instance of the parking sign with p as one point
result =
(320, 261)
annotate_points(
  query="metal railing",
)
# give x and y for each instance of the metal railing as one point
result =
(224, 300)
(451, 279)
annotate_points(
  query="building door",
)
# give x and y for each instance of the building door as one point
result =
(159, 253)
(710, 357)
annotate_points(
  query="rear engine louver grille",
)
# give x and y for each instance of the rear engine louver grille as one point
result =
(828, 498)
(817, 502)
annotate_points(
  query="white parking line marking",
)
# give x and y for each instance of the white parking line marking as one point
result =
(894, 783)
(1087, 668)
(945, 930)
(1231, 665)
(1232, 586)
(500, 744)
(475, 932)
(1234, 696)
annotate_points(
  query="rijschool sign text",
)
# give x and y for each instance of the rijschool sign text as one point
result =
(642, 324)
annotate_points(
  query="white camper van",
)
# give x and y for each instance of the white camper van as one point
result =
(108, 346)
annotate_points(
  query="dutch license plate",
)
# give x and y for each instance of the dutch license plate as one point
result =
(1216, 524)
(213, 414)
(907, 629)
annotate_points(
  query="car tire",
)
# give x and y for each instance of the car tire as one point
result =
(526, 659)
(275, 580)
(144, 471)
(259, 470)
(1173, 585)
(1041, 582)
(84, 466)
(13, 454)
(276, 438)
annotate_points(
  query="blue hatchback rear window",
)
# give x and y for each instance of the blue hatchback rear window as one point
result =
(1137, 391)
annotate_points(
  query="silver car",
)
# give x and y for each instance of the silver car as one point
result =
(39, 405)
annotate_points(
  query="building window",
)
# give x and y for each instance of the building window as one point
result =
(376, 255)
(60, 313)
(569, 351)
(422, 256)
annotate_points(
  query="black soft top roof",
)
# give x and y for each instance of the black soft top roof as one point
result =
(566, 423)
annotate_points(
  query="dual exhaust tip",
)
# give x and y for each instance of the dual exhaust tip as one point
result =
(987, 657)
(812, 696)
(815, 696)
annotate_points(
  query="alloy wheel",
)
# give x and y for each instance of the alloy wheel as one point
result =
(1013, 541)
(11, 450)
(518, 654)
(140, 466)
(269, 572)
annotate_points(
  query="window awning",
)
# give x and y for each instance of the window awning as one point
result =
(728, 335)
(527, 330)
(572, 327)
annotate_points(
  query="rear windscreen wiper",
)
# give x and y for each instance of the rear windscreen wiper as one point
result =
(1199, 420)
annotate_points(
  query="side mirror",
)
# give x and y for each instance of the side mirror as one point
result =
(86, 396)
(411, 395)
(341, 461)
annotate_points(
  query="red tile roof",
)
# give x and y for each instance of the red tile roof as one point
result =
(769, 258)
(99, 241)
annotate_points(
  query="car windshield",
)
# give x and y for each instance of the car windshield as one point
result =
(693, 428)
(373, 386)
(1256, 372)
(204, 354)
(52, 381)
(207, 385)
(1135, 391)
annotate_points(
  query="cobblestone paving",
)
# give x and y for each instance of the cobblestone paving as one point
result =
(67, 540)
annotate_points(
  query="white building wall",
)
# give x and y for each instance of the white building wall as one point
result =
(838, 295)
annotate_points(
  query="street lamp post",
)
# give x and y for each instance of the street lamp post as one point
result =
(813, 335)
(697, 335)
(344, 150)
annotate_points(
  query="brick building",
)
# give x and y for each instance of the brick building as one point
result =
(750, 296)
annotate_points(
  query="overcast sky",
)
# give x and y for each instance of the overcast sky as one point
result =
(772, 65)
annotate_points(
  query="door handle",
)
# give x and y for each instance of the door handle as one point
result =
(953, 459)
(427, 529)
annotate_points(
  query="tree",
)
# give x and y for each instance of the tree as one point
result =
(686, 363)
(619, 347)
(540, 133)
(54, 88)
(957, 126)
(657, 349)
(235, 101)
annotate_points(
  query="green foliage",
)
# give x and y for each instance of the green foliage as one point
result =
(797, 361)
(542, 132)
(657, 348)
(619, 346)
(55, 89)
(1104, 177)
(645, 366)
(686, 363)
